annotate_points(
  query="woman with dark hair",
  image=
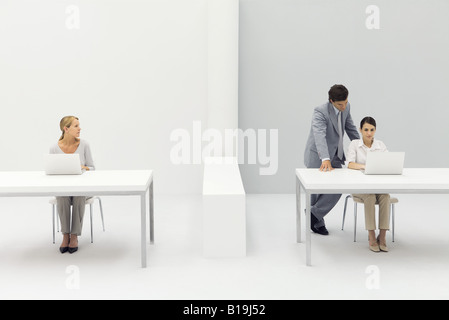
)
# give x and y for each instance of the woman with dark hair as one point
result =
(357, 152)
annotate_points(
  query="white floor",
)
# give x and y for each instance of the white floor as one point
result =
(31, 267)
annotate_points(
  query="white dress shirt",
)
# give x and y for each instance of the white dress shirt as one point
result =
(357, 150)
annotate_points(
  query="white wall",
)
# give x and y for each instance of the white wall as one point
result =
(134, 71)
(293, 51)
(223, 66)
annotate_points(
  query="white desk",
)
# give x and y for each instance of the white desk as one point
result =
(412, 181)
(90, 183)
(224, 209)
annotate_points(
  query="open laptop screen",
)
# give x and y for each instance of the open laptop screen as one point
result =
(62, 164)
(384, 163)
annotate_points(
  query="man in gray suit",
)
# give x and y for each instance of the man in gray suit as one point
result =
(324, 148)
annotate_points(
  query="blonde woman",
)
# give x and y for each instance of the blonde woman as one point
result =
(357, 152)
(70, 142)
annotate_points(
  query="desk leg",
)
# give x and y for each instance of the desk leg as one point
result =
(151, 214)
(308, 232)
(143, 229)
(298, 211)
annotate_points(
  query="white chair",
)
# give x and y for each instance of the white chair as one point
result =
(89, 201)
(356, 200)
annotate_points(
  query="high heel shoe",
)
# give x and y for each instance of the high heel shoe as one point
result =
(375, 247)
(72, 250)
(382, 246)
(73, 239)
(66, 241)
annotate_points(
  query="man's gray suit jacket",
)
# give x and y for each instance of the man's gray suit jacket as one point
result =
(323, 138)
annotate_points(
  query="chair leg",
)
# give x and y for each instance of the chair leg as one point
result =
(344, 212)
(53, 220)
(56, 219)
(392, 218)
(91, 226)
(355, 221)
(101, 211)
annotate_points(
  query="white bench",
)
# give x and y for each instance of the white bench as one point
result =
(224, 209)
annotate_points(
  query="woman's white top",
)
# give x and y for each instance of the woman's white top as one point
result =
(357, 150)
(83, 150)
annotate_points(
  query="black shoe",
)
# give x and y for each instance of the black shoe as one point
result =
(320, 230)
(73, 250)
(63, 249)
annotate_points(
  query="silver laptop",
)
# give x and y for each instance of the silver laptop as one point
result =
(384, 163)
(62, 164)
